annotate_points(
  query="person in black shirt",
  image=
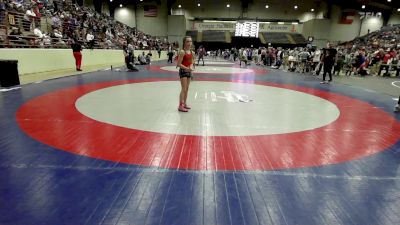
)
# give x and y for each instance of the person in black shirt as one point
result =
(76, 49)
(329, 60)
(158, 47)
(129, 62)
(170, 53)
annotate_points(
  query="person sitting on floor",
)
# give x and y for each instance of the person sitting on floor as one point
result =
(129, 62)
(148, 57)
(142, 59)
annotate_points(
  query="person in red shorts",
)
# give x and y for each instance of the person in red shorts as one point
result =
(186, 66)
(76, 50)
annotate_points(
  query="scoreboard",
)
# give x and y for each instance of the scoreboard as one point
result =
(247, 29)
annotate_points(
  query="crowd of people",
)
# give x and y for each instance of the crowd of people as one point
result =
(336, 60)
(66, 22)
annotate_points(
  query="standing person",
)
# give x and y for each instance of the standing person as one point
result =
(90, 39)
(76, 50)
(201, 52)
(329, 61)
(316, 55)
(159, 51)
(170, 53)
(186, 66)
(339, 64)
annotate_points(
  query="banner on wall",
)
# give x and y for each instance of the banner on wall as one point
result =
(200, 26)
(367, 15)
(286, 28)
(263, 27)
(347, 17)
(150, 10)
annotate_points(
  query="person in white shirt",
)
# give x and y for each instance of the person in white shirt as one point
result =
(243, 57)
(38, 33)
(90, 39)
(57, 33)
(316, 58)
(29, 20)
(255, 55)
(57, 37)
(29, 14)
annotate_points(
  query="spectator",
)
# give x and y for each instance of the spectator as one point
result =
(90, 39)
(385, 65)
(129, 61)
(142, 59)
(55, 20)
(2, 10)
(148, 57)
(158, 50)
(38, 33)
(29, 19)
(15, 36)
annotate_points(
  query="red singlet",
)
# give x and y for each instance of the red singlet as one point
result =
(187, 59)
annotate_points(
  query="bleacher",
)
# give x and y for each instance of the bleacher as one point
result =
(298, 38)
(193, 34)
(214, 36)
(276, 38)
(17, 29)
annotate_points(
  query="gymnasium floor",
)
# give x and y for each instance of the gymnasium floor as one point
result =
(259, 146)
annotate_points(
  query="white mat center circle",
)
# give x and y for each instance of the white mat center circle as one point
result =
(218, 108)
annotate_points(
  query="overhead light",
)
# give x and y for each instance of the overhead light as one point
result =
(110, 0)
(120, 5)
(281, 23)
(363, 6)
(141, 0)
(295, 7)
(267, 22)
(389, 0)
(228, 5)
(312, 10)
(294, 23)
(179, 6)
(398, 10)
(266, 6)
(198, 4)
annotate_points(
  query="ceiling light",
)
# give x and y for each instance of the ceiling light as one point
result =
(198, 5)
(363, 6)
(228, 5)
(266, 6)
(120, 5)
(389, 0)
(179, 6)
(312, 10)
(295, 7)
(110, 0)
